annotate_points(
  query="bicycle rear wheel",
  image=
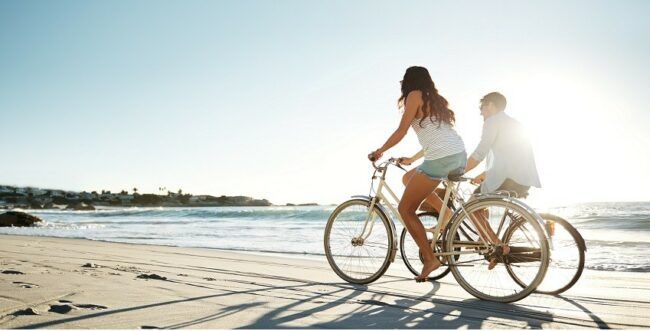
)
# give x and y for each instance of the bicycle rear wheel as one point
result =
(567, 256)
(356, 259)
(410, 251)
(528, 250)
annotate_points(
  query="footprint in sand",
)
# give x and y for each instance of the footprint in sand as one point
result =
(151, 276)
(26, 311)
(67, 306)
(90, 306)
(62, 309)
(26, 285)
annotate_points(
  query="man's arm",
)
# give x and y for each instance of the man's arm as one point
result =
(488, 137)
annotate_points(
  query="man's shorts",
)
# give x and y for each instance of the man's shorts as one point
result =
(510, 185)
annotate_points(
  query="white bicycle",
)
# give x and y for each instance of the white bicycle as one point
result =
(361, 241)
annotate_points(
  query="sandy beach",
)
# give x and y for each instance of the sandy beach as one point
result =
(60, 283)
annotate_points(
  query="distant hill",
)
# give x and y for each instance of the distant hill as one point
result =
(38, 198)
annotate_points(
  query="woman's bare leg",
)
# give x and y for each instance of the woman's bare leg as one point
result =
(417, 189)
(432, 201)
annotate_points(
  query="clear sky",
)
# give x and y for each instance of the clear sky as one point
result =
(284, 99)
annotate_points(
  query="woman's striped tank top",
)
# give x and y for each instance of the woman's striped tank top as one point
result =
(438, 139)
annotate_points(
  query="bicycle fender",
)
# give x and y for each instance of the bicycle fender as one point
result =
(581, 241)
(510, 200)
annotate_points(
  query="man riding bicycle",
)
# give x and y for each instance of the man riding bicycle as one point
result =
(510, 164)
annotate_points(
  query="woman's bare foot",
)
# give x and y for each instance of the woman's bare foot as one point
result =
(429, 267)
(494, 261)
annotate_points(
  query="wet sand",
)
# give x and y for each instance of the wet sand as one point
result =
(60, 283)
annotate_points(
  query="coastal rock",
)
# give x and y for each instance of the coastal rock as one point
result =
(80, 206)
(17, 218)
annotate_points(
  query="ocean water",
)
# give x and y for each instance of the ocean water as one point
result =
(617, 234)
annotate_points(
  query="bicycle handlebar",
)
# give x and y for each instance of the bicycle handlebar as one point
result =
(391, 161)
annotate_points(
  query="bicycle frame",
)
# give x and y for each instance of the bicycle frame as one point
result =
(451, 186)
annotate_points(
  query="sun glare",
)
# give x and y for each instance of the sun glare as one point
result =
(568, 126)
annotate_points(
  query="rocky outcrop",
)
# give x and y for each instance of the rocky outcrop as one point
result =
(17, 218)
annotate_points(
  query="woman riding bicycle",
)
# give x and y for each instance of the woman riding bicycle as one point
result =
(428, 113)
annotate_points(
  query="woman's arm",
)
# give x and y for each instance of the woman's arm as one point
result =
(417, 156)
(409, 160)
(413, 102)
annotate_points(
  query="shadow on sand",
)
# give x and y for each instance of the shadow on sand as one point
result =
(335, 305)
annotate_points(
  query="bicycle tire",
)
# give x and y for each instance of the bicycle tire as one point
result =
(554, 289)
(439, 273)
(481, 291)
(372, 275)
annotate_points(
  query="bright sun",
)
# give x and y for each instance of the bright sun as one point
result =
(577, 141)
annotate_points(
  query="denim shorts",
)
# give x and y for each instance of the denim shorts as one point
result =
(442, 167)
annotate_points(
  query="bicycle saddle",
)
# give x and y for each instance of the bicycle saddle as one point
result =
(456, 175)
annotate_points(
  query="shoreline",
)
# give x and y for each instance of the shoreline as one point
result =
(211, 288)
(291, 255)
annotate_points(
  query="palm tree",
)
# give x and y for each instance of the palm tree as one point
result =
(135, 190)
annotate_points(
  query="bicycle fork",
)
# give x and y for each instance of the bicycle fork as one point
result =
(370, 219)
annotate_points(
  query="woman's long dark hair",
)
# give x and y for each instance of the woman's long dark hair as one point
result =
(434, 106)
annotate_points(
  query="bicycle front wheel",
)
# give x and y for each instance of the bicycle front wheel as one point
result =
(529, 254)
(358, 251)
